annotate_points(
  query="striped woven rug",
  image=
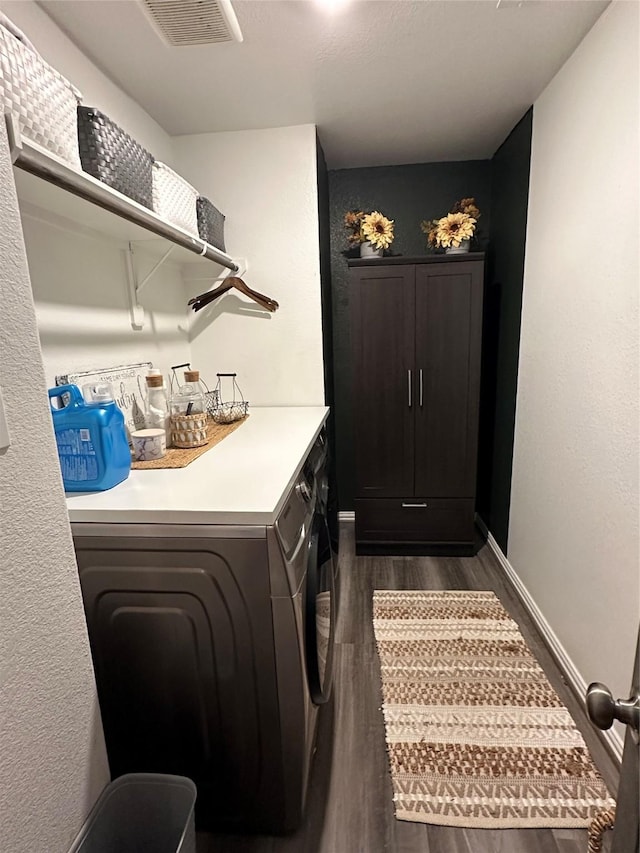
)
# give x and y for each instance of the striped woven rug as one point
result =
(476, 735)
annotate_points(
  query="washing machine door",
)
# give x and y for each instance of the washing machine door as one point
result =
(320, 612)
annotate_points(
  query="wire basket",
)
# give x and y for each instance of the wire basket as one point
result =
(227, 413)
(212, 402)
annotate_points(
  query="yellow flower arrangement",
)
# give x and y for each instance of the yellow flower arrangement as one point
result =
(353, 221)
(466, 205)
(371, 227)
(454, 228)
(430, 228)
(458, 225)
(378, 230)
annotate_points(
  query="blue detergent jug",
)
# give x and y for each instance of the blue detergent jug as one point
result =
(92, 441)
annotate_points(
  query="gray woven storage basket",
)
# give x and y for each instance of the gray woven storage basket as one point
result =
(114, 157)
(210, 223)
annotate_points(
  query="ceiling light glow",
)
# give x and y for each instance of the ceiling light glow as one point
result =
(331, 7)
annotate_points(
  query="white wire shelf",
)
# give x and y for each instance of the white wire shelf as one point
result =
(47, 183)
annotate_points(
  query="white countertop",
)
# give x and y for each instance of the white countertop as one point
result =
(242, 480)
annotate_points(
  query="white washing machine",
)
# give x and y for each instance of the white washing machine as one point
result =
(213, 650)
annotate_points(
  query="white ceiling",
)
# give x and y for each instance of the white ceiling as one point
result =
(385, 81)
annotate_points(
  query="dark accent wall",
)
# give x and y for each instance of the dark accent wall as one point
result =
(406, 194)
(503, 307)
(327, 333)
(325, 271)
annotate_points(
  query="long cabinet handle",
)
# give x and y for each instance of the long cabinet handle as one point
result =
(409, 384)
(414, 506)
(421, 389)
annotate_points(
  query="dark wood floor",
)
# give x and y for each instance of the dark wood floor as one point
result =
(349, 807)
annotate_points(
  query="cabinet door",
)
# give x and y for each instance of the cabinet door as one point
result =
(448, 338)
(383, 340)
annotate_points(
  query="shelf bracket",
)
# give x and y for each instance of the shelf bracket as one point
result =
(14, 136)
(136, 311)
(153, 269)
(135, 286)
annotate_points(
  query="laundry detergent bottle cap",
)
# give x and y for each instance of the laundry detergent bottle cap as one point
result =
(91, 437)
(99, 392)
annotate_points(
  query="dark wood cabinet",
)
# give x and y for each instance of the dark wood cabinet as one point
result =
(416, 336)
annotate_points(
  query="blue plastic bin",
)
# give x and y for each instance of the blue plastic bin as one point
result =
(141, 813)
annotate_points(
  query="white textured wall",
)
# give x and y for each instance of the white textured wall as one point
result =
(53, 763)
(573, 536)
(79, 286)
(265, 182)
(53, 759)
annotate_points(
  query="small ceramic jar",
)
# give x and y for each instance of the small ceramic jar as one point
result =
(149, 444)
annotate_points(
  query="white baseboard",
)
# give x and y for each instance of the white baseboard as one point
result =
(482, 527)
(347, 516)
(566, 665)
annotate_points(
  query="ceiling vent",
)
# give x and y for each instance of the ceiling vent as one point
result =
(189, 22)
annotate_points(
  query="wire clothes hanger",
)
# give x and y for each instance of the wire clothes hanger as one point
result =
(230, 282)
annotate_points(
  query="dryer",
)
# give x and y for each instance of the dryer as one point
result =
(213, 649)
(318, 472)
(298, 548)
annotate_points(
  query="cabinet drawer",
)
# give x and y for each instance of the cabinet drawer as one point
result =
(437, 520)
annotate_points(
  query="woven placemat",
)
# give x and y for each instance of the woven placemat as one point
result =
(178, 457)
